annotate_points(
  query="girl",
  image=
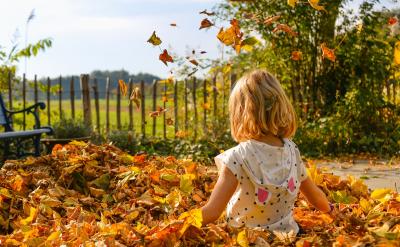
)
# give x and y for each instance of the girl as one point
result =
(260, 178)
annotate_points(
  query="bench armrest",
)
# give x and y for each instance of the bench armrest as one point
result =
(31, 109)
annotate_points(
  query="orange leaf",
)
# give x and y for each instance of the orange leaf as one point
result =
(328, 53)
(231, 36)
(297, 55)
(136, 96)
(181, 134)
(285, 28)
(205, 23)
(165, 57)
(392, 21)
(123, 87)
(154, 40)
(158, 112)
(164, 99)
(271, 19)
(194, 61)
(207, 13)
(169, 121)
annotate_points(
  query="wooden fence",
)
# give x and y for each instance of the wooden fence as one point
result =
(185, 101)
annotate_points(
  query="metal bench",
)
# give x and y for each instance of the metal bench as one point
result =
(10, 136)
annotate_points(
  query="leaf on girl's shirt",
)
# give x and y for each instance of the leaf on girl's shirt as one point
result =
(205, 23)
(297, 55)
(154, 40)
(284, 28)
(315, 5)
(392, 20)
(205, 12)
(328, 53)
(292, 3)
(397, 53)
(271, 20)
(165, 57)
(123, 88)
(136, 96)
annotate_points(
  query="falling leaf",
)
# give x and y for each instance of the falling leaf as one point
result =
(164, 99)
(205, 12)
(231, 36)
(205, 23)
(173, 24)
(123, 87)
(297, 55)
(203, 52)
(292, 3)
(169, 121)
(315, 5)
(206, 106)
(165, 57)
(136, 96)
(328, 53)
(193, 72)
(154, 40)
(285, 28)
(194, 61)
(392, 21)
(271, 19)
(158, 112)
(397, 53)
(248, 43)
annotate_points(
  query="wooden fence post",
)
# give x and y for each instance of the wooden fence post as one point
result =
(143, 105)
(10, 102)
(24, 100)
(72, 96)
(176, 106)
(215, 103)
(205, 107)
(35, 88)
(118, 107)
(60, 97)
(164, 116)
(48, 101)
(108, 105)
(154, 106)
(195, 107)
(96, 103)
(186, 104)
(87, 116)
(130, 127)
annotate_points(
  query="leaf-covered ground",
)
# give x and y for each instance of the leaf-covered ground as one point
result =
(87, 195)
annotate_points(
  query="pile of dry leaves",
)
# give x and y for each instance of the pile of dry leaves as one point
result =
(87, 195)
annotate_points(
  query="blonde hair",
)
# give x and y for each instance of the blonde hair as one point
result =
(259, 106)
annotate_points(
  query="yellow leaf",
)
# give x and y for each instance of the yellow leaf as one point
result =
(380, 194)
(365, 205)
(29, 219)
(154, 40)
(54, 236)
(397, 53)
(315, 5)
(292, 3)
(242, 239)
(193, 217)
(185, 184)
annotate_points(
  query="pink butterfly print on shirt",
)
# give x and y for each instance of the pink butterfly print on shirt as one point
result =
(262, 194)
(291, 185)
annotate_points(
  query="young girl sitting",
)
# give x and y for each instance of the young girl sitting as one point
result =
(260, 177)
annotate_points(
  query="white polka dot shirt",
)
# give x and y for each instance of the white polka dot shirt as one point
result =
(269, 179)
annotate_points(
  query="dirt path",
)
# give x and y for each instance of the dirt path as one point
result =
(378, 174)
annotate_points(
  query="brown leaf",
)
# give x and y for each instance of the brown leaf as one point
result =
(285, 28)
(205, 23)
(205, 12)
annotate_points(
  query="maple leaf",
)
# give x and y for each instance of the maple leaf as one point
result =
(165, 57)
(328, 53)
(285, 28)
(297, 55)
(392, 21)
(154, 40)
(205, 23)
(123, 87)
(231, 36)
(292, 3)
(271, 19)
(315, 5)
(205, 12)
(136, 96)
(397, 53)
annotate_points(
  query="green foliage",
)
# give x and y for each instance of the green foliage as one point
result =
(70, 128)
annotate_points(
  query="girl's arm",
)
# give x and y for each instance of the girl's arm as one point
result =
(315, 195)
(220, 196)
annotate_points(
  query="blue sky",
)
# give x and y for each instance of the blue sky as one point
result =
(108, 34)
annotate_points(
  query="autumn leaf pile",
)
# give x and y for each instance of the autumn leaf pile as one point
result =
(87, 195)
